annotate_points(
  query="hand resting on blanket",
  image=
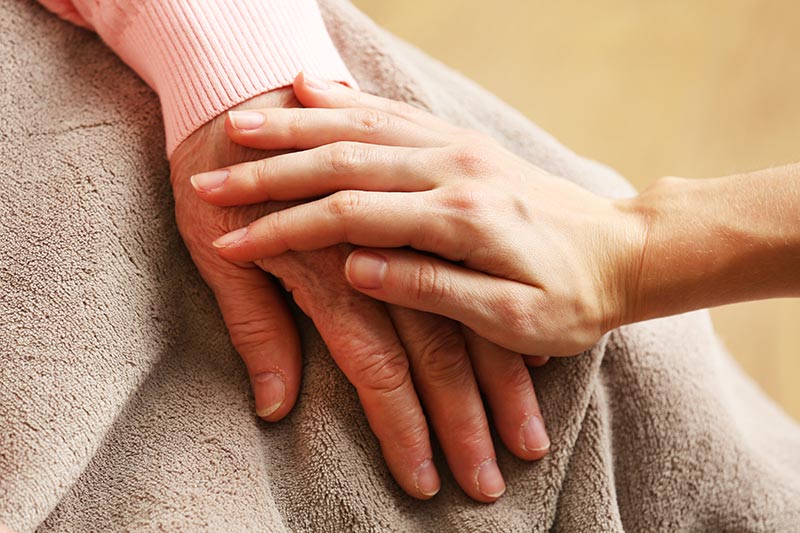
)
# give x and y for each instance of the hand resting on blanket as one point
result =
(527, 260)
(372, 343)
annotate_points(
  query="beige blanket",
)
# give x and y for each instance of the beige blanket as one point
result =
(123, 406)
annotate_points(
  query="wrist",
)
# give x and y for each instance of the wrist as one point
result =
(209, 147)
(630, 230)
(710, 242)
(679, 251)
(650, 214)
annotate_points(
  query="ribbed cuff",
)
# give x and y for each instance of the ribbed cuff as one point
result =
(204, 57)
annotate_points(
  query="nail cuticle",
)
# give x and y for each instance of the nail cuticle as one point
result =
(269, 410)
(531, 432)
(426, 468)
(208, 181)
(229, 239)
(498, 477)
(366, 270)
(246, 120)
(274, 384)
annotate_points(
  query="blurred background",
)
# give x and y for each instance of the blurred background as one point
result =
(682, 88)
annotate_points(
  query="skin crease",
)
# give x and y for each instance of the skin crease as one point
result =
(543, 266)
(717, 241)
(357, 329)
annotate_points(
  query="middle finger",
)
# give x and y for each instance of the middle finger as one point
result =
(444, 380)
(317, 172)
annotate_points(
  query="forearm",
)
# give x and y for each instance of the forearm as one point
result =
(717, 241)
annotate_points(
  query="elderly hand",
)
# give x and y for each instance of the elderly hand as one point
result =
(524, 259)
(372, 343)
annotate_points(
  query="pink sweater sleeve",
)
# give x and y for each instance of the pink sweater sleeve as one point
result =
(203, 57)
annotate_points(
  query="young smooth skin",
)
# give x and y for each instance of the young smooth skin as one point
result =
(397, 359)
(528, 261)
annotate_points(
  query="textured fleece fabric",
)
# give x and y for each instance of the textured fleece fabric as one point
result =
(123, 406)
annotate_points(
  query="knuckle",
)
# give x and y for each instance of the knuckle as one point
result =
(344, 204)
(470, 432)
(471, 159)
(230, 219)
(250, 335)
(411, 437)
(466, 199)
(516, 315)
(514, 376)
(383, 372)
(262, 169)
(344, 157)
(295, 124)
(442, 360)
(429, 284)
(275, 228)
(371, 121)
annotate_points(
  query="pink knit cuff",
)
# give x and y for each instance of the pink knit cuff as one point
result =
(202, 58)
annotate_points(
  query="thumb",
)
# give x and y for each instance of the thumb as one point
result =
(497, 309)
(263, 332)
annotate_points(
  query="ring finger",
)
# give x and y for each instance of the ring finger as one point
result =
(507, 385)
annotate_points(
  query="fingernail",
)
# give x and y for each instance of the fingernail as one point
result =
(490, 480)
(208, 181)
(245, 120)
(230, 238)
(534, 435)
(427, 479)
(315, 83)
(366, 270)
(271, 390)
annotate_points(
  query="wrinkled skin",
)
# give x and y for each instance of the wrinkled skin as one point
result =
(371, 343)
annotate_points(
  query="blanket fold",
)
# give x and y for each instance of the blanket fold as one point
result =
(124, 407)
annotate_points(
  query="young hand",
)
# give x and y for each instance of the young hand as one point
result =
(527, 260)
